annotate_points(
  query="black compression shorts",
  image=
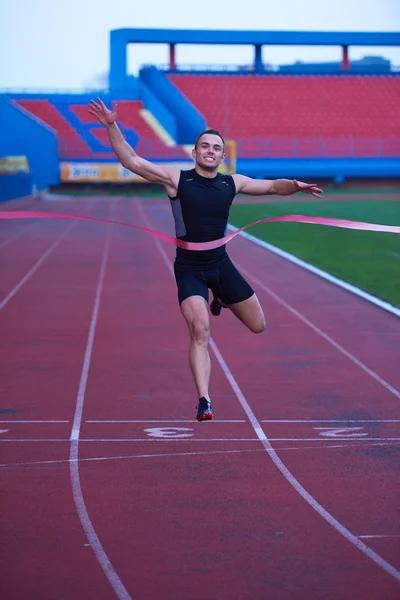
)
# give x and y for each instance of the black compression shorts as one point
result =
(222, 278)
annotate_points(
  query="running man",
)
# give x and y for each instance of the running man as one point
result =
(200, 200)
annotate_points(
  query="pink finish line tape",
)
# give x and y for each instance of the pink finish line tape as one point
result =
(214, 243)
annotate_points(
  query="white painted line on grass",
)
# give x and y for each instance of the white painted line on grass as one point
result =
(391, 253)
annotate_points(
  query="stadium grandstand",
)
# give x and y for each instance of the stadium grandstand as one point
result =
(328, 120)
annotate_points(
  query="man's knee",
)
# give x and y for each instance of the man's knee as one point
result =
(259, 326)
(200, 332)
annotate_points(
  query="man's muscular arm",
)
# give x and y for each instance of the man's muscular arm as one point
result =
(165, 176)
(282, 187)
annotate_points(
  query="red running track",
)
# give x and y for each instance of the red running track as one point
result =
(113, 490)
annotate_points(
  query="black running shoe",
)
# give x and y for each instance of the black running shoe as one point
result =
(215, 307)
(204, 410)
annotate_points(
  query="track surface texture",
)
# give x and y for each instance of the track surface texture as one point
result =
(110, 487)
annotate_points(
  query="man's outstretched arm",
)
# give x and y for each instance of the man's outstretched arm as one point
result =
(282, 187)
(166, 176)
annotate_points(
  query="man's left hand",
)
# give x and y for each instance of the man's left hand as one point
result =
(308, 188)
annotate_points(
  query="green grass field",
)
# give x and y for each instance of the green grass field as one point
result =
(369, 260)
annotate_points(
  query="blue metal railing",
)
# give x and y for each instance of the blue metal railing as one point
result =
(294, 147)
(271, 148)
(296, 69)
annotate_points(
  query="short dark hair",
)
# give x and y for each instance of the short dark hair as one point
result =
(211, 131)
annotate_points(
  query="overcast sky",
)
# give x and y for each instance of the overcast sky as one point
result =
(65, 44)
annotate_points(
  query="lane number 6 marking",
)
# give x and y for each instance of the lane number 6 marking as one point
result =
(169, 432)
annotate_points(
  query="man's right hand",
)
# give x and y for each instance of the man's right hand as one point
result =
(166, 176)
(101, 112)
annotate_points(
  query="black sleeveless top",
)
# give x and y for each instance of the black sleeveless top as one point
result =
(201, 211)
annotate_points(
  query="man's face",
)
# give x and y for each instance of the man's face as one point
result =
(209, 152)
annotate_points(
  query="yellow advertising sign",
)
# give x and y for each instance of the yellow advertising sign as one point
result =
(106, 172)
(11, 165)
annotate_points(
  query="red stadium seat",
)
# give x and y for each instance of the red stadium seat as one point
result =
(129, 117)
(70, 143)
(306, 107)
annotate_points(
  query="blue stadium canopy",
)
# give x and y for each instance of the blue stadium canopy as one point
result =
(120, 38)
(308, 38)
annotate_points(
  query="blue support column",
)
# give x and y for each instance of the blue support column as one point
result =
(345, 58)
(172, 61)
(118, 61)
(258, 64)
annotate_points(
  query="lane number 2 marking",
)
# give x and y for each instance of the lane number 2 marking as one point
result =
(341, 432)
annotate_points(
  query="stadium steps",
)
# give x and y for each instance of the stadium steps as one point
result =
(81, 137)
(95, 134)
(69, 140)
(140, 129)
(151, 144)
(160, 132)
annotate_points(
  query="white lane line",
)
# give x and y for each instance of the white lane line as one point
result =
(193, 439)
(319, 331)
(76, 426)
(34, 421)
(19, 234)
(35, 267)
(293, 481)
(360, 441)
(132, 456)
(323, 274)
(278, 462)
(215, 421)
(149, 439)
(171, 439)
(169, 454)
(369, 537)
(167, 421)
(83, 514)
(330, 421)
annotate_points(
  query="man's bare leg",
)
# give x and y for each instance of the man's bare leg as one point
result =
(250, 313)
(195, 312)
